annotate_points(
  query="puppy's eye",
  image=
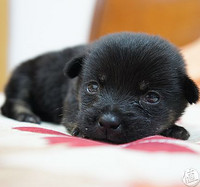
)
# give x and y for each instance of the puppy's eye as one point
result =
(92, 87)
(151, 97)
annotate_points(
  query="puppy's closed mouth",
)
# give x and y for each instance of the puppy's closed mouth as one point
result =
(104, 138)
(106, 141)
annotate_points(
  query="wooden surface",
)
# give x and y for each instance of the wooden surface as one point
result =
(176, 20)
(3, 40)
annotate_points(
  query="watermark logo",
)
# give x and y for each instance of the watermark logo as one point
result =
(191, 177)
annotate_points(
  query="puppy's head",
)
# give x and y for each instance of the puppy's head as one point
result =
(131, 86)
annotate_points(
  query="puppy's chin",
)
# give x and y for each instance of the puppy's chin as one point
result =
(93, 133)
(113, 139)
(110, 139)
(108, 136)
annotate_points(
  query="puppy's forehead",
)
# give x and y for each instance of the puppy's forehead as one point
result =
(133, 58)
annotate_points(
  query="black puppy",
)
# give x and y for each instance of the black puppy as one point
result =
(118, 89)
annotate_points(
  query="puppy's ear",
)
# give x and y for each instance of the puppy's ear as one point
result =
(191, 90)
(73, 67)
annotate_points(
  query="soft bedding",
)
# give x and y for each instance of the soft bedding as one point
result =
(44, 155)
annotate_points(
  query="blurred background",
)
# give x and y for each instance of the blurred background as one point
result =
(31, 27)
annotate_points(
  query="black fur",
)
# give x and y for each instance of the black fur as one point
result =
(120, 88)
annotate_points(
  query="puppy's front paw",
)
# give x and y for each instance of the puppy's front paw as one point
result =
(26, 117)
(176, 132)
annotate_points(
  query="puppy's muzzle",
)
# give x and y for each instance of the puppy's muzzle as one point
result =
(109, 121)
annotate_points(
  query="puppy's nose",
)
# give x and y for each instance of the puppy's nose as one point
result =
(109, 121)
